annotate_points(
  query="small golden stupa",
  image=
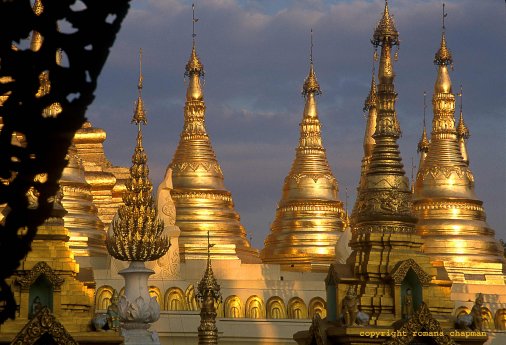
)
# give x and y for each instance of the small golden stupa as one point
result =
(87, 233)
(202, 202)
(451, 218)
(309, 217)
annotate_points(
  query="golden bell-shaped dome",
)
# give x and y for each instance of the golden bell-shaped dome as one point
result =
(451, 217)
(309, 217)
(202, 202)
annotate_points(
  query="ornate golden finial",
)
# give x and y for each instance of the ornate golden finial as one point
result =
(385, 30)
(372, 97)
(194, 66)
(443, 55)
(311, 83)
(136, 231)
(462, 130)
(423, 144)
(139, 112)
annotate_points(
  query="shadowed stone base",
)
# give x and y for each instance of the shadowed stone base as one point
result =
(140, 337)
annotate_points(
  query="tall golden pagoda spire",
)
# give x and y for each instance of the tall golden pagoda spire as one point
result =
(309, 217)
(137, 232)
(451, 218)
(383, 225)
(201, 199)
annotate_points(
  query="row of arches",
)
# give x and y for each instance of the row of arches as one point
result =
(490, 321)
(175, 299)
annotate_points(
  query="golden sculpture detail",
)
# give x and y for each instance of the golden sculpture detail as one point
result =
(451, 218)
(137, 232)
(201, 199)
(309, 217)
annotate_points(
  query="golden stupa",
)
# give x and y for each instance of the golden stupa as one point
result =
(309, 217)
(107, 181)
(387, 260)
(86, 230)
(202, 202)
(452, 220)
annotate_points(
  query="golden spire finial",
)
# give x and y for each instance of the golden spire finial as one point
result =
(136, 230)
(423, 144)
(385, 30)
(311, 83)
(194, 66)
(139, 111)
(462, 130)
(443, 55)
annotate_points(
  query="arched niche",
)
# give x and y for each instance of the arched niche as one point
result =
(175, 299)
(276, 308)
(190, 297)
(317, 306)
(500, 320)
(408, 279)
(40, 295)
(42, 286)
(103, 297)
(411, 285)
(255, 308)
(233, 307)
(297, 308)
(155, 292)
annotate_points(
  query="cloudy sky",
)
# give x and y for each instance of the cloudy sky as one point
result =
(255, 53)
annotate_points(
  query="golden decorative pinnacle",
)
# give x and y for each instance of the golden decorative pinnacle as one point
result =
(462, 130)
(443, 55)
(139, 112)
(194, 66)
(372, 97)
(423, 144)
(208, 281)
(137, 231)
(385, 30)
(311, 83)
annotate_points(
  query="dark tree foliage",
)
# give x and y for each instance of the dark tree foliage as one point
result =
(94, 25)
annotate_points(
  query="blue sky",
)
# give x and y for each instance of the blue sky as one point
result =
(255, 54)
